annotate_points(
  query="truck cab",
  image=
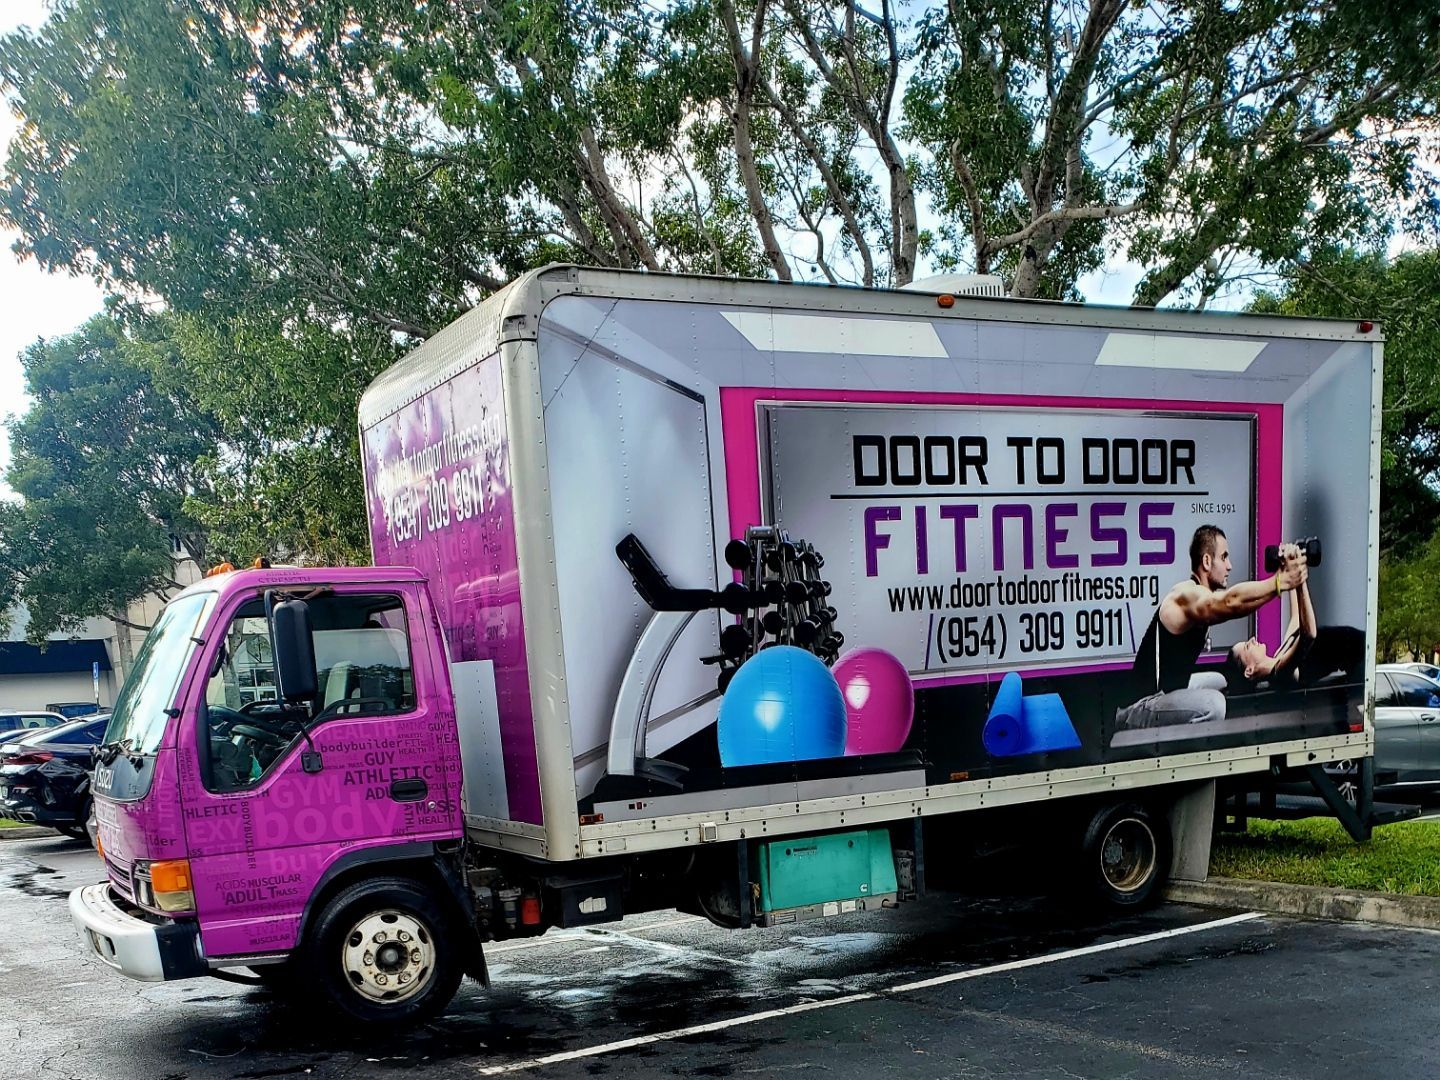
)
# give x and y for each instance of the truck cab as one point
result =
(282, 733)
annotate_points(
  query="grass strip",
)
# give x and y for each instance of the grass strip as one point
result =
(1403, 858)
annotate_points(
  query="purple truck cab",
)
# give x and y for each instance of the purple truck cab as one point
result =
(231, 818)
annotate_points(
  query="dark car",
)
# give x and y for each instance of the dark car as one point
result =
(45, 777)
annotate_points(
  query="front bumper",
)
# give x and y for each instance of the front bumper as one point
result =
(145, 947)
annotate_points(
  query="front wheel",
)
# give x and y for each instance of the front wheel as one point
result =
(1124, 857)
(381, 953)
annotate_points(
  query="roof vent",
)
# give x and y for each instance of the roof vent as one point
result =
(959, 284)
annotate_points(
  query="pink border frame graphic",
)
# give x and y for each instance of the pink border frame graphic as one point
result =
(739, 417)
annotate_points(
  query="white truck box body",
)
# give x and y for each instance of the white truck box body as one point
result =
(991, 460)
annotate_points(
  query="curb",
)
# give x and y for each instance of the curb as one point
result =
(1311, 901)
(26, 832)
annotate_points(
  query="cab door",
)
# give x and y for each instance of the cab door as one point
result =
(279, 794)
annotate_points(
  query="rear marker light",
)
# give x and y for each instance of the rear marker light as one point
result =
(530, 911)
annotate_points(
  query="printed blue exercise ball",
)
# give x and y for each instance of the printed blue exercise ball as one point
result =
(782, 705)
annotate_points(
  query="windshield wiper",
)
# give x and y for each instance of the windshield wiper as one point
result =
(106, 753)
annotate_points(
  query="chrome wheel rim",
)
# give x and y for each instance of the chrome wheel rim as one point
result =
(388, 956)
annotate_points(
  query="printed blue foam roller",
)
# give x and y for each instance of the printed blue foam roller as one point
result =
(1027, 725)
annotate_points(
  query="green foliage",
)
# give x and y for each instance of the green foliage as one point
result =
(1189, 135)
(308, 188)
(230, 438)
(104, 462)
(285, 479)
(373, 161)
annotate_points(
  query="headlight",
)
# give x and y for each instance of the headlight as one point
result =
(165, 885)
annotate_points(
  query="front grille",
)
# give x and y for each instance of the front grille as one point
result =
(119, 877)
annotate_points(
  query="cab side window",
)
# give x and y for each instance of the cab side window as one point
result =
(363, 669)
(362, 656)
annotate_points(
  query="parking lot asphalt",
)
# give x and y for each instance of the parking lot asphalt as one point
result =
(946, 987)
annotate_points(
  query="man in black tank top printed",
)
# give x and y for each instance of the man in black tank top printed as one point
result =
(1176, 635)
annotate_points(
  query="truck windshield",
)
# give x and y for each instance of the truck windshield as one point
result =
(140, 714)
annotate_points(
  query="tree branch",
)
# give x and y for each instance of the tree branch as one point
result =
(832, 184)
(746, 66)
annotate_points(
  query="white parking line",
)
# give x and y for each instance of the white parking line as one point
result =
(1088, 950)
(902, 988)
(555, 939)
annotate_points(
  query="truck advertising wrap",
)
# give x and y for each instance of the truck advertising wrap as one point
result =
(441, 500)
(1054, 536)
(989, 537)
(717, 595)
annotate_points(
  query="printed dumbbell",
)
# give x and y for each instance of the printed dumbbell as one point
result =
(735, 640)
(738, 555)
(807, 631)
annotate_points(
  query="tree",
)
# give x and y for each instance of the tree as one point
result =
(1409, 618)
(1403, 296)
(378, 162)
(282, 476)
(1187, 135)
(104, 463)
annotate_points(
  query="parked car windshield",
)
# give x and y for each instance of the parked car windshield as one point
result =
(140, 711)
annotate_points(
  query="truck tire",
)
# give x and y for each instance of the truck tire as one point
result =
(1124, 857)
(382, 953)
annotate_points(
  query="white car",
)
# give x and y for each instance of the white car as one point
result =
(17, 723)
(1430, 671)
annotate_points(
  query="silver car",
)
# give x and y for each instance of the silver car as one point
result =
(1407, 726)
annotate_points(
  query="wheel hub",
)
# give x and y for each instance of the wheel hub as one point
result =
(389, 955)
(1127, 855)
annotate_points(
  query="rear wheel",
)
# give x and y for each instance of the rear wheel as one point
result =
(1124, 857)
(381, 953)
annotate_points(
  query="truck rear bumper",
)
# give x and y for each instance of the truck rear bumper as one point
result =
(116, 932)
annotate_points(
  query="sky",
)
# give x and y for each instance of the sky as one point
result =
(33, 304)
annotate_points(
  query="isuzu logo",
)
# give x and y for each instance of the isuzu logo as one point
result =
(103, 778)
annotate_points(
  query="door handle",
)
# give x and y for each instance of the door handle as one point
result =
(1427, 717)
(412, 789)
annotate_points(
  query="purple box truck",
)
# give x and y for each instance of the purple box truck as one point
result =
(749, 599)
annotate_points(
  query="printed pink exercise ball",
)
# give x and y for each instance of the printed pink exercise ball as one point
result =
(879, 701)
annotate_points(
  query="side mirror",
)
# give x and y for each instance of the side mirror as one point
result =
(294, 651)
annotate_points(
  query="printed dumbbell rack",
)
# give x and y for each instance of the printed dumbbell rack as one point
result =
(781, 601)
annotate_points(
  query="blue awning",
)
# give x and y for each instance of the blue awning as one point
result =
(58, 657)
